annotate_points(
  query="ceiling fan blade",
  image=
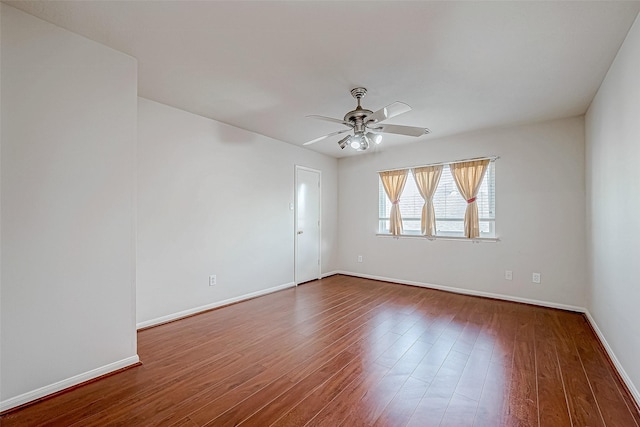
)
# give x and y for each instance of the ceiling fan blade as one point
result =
(389, 111)
(331, 119)
(313, 141)
(400, 130)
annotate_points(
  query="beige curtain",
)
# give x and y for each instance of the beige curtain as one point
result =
(393, 183)
(427, 179)
(468, 176)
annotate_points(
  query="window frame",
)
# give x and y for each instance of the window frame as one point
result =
(488, 237)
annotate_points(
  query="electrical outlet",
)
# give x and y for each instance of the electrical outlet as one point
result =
(212, 280)
(508, 275)
(359, 258)
(535, 277)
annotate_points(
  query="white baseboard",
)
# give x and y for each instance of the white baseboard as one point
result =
(623, 374)
(66, 383)
(330, 273)
(185, 313)
(468, 292)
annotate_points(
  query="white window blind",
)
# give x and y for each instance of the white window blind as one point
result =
(448, 204)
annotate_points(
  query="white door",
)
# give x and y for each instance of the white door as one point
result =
(307, 225)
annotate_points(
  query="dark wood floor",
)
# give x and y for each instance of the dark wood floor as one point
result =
(345, 351)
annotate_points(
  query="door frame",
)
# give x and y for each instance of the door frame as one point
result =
(295, 220)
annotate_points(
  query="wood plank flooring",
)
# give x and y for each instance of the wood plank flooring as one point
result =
(346, 351)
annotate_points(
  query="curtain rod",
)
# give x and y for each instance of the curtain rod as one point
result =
(442, 163)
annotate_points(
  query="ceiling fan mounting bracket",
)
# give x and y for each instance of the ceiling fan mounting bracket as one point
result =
(358, 93)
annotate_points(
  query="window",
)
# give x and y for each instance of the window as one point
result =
(449, 206)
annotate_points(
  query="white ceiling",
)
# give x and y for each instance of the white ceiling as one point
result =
(263, 66)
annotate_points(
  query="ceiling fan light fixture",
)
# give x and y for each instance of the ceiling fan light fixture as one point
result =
(344, 141)
(375, 138)
(364, 143)
(355, 142)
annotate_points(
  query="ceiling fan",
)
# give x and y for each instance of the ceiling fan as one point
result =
(366, 124)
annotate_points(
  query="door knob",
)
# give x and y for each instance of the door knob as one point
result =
(300, 232)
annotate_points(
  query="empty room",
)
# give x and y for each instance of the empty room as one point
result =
(319, 213)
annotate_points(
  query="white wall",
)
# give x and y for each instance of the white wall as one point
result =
(613, 207)
(540, 215)
(68, 255)
(214, 199)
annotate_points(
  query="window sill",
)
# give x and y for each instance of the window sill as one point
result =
(460, 239)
